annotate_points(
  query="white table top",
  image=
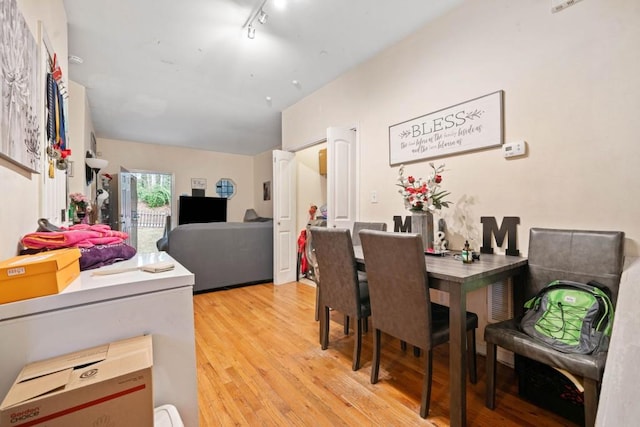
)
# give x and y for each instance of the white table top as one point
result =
(87, 289)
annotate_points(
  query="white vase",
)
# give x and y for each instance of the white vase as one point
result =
(422, 223)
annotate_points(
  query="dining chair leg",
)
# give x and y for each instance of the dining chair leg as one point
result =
(471, 356)
(426, 386)
(324, 324)
(365, 324)
(375, 362)
(357, 346)
(491, 376)
(346, 324)
(590, 401)
(317, 303)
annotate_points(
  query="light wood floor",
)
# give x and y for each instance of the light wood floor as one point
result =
(260, 363)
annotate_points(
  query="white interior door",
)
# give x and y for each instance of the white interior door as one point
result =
(284, 217)
(341, 177)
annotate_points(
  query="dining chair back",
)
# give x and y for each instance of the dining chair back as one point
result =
(359, 225)
(555, 254)
(339, 286)
(400, 301)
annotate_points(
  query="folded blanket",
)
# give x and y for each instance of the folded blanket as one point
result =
(96, 256)
(79, 236)
(101, 255)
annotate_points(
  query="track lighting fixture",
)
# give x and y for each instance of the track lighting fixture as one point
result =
(258, 14)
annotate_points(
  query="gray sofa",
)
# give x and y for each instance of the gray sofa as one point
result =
(224, 254)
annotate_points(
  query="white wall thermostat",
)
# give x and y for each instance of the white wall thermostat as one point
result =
(513, 149)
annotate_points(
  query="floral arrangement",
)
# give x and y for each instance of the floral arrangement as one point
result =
(422, 195)
(80, 202)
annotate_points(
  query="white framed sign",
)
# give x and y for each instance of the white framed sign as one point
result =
(470, 125)
(198, 183)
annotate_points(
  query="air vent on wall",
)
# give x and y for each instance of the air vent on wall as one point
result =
(500, 302)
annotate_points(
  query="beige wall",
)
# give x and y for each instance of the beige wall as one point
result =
(573, 94)
(21, 195)
(263, 172)
(571, 91)
(185, 164)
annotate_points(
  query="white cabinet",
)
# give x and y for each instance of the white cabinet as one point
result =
(95, 310)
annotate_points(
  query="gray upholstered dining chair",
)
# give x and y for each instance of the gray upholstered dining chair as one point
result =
(575, 255)
(359, 225)
(401, 305)
(339, 286)
(355, 237)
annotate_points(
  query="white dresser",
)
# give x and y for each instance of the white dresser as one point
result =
(94, 310)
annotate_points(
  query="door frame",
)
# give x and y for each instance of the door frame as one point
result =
(316, 141)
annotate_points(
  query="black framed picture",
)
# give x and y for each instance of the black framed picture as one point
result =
(266, 190)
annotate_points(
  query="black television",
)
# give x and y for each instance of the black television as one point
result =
(202, 209)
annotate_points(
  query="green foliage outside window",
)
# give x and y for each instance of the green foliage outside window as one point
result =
(154, 189)
(155, 196)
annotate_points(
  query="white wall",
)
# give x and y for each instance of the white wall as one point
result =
(571, 91)
(186, 163)
(21, 196)
(79, 138)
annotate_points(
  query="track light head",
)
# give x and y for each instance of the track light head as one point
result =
(262, 17)
(251, 32)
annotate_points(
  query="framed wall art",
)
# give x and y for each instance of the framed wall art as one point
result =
(19, 90)
(470, 125)
(266, 190)
(198, 183)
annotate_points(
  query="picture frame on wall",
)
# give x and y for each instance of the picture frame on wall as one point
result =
(266, 190)
(20, 136)
(198, 183)
(471, 125)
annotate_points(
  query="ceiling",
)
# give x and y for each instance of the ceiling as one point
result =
(184, 73)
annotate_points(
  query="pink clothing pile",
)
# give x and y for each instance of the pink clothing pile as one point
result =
(78, 236)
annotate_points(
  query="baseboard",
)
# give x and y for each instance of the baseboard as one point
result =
(226, 288)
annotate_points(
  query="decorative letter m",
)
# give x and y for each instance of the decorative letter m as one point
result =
(490, 226)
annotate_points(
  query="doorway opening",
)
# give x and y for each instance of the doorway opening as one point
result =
(155, 193)
(311, 202)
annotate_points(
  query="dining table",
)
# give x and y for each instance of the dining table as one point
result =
(448, 273)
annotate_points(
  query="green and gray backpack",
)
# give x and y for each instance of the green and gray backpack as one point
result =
(571, 317)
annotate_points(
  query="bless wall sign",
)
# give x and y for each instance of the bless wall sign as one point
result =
(467, 126)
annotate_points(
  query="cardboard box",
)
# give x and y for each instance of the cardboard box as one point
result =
(46, 273)
(108, 385)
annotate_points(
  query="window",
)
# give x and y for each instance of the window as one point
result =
(225, 187)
